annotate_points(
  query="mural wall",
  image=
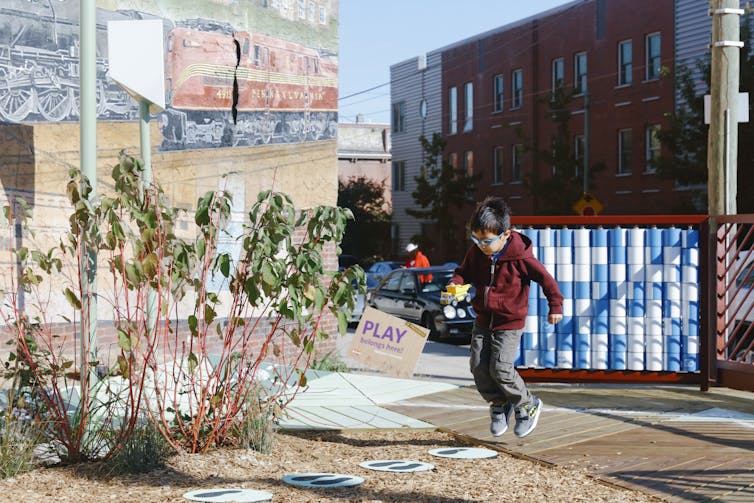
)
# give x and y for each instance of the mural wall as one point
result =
(238, 72)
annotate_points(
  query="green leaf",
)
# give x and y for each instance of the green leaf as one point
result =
(193, 362)
(193, 324)
(224, 260)
(209, 314)
(124, 340)
(72, 299)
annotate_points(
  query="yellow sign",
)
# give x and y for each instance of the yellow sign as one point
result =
(387, 343)
(588, 205)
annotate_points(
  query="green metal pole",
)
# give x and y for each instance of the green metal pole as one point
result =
(146, 157)
(146, 144)
(88, 155)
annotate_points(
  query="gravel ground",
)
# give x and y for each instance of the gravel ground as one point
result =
(500, 479)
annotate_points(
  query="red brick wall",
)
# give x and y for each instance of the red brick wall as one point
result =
(531, 46)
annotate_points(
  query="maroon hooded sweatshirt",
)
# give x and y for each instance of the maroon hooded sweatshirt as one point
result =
(502, 285)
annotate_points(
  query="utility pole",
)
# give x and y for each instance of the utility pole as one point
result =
(722, 141)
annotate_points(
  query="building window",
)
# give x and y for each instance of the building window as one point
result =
(395, 237)
(558, 74)
(499, 94)
(517, 89)
(468, 100)
(322, 15)
(453, 160)
(468, 163)
(578, 152)
(653, 56)
(453, 110)
(497, 168)
(302, 9)
(625, 62)
(399, 117)
(579, 72)
(517, 155)
(652, 142)
(624, 152)
(399, 176)
(311, 12)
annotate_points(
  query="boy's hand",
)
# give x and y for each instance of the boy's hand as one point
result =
(552, 319)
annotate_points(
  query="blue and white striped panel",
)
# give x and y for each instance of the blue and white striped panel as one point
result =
(690, 300)
(564, 277)
(672, 319)
(618, 291)
(599, 347)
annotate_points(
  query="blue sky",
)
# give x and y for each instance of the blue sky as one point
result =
(376, 34)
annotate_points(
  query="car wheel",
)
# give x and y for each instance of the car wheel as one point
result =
(428, 321)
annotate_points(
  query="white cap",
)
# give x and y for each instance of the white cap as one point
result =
(411, 247)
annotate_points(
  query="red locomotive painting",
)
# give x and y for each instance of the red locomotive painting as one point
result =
(245, 88)
(224, 87)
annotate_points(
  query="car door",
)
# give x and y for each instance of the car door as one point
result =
(386, 297)
(409, 306)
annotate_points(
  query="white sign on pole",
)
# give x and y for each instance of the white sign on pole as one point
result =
(743, 108)
(136, 59)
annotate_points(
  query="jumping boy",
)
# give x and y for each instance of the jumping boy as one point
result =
(501, 267)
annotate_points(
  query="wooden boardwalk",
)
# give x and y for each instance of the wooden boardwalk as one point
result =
(673, 442)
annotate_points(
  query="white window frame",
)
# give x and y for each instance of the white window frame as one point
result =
(498, 90)
(652, 147)
(399, 176)
(579, 73)
(497, 165)
(558, 73)
(399, 117)
(517, 154)
(468, 163)
(517, 89)
(625, 65)
(625, 151)
(468, 102)
(453, 110)
(653, 63)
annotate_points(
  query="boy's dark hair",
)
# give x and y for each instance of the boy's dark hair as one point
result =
(492, 215)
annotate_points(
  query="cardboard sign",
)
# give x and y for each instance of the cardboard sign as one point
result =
(389, 344)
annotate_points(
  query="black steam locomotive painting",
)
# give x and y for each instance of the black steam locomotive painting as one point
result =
(39, 64)
(286, 92)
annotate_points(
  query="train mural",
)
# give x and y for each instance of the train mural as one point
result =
(224, 87)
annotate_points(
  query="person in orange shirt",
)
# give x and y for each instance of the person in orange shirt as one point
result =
(417, 259)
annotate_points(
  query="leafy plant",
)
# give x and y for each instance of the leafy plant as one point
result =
(195, 323)
(143, 451)
(330, 362)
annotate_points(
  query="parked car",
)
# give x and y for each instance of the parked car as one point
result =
(378, 270)
(402, 294)
(742, 311)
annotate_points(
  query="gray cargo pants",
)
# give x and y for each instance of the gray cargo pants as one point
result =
(492, 362)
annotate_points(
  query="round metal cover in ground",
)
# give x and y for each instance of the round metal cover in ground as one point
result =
(464, 452)
(226, 494)
(397, 465)
(322, 480)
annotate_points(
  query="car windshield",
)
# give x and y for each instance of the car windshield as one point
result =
(438, 283)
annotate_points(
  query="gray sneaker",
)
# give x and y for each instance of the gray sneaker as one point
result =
(527, 417)
(499, 415)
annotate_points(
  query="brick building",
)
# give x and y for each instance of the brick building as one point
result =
(493, 94)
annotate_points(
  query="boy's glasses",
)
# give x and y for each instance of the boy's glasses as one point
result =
(486, 242)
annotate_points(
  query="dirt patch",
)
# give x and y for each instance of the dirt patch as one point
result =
(499, 479)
